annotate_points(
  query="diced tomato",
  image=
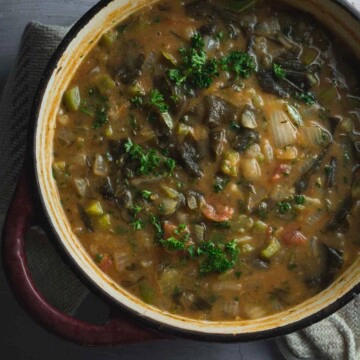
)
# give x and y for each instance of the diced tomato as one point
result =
(105, 263)
(292, 236)
(217, 212)
(281, 171)
(169, 229)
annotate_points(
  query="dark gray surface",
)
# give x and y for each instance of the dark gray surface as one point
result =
(20, 337)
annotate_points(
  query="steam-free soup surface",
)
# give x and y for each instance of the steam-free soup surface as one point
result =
(206, 155)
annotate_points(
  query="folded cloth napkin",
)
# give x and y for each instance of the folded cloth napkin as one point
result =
(56, 281)
(336, 338)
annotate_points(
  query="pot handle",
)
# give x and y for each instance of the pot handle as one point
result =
(20, 218)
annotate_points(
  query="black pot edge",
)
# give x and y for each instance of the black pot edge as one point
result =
(154, 324)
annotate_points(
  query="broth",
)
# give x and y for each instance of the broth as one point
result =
(206, 156)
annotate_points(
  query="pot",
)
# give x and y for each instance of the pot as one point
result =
(336, 15)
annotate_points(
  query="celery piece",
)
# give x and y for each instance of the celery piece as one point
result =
(230, 163)
(273, 247)
(95, 209)
(109, 131)
(146, 293)
(105, 221)
(104, 84)
(260, 227)
(108, 38)
(72, 98)
(309, 55)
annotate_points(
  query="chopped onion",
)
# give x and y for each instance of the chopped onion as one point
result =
(268, 151)
(65, 136)
(268, 28)
(121, 260)
(254, 152)
(243, 239)
(81, 186)
(251, 169)
(210, 43)
(167, 120)
(248, 119)
(199, 232)
(169, 206)
(168, 280)
(254, 311)
(281, 192)
(227, 285)
(283, 131)
(191, 201)
(230, 308)
(313, 135)
(289, 153)
(314, 218)
(100, 166)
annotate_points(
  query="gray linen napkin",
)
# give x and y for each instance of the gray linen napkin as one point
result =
(336, 338)
(56, 281)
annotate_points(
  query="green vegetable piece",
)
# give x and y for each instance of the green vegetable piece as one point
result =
(157, 99)
(309, 55)
(260, 227)
(273, 247)
(108, 38)
(283, 207)
(230, 163)
(308, 97)
(72, 99)
(94, 209)
(104, 221)
(300, 199)
(169, 57)
(104, 84)
(147, 293)
(279, 71)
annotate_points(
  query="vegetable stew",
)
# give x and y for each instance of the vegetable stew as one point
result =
(207, 157)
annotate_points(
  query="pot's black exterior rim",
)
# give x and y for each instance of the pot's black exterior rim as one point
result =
(152, 323)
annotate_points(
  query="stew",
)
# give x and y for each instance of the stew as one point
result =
(207, 157)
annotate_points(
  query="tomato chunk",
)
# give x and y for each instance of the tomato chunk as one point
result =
(217, 212)
(292, 236)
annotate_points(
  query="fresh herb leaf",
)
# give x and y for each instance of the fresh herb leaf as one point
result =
(99, 258)
(279, 71)
(239, 62)
(300, 199)
(283, 207)
(146, 194)
(137, 224)
(170, 165)
(157, 99)
(101, 117)
(173, 244)
(220, 184)
(307, 97)
(137, 101)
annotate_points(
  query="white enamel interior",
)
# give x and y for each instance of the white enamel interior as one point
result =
(327, 11)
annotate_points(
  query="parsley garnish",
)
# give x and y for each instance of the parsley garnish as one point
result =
(239, 62)
(220, 184)
(307, 98)
(146, 194)
(279, 71)
(157, 99)
(101, 117)
(137, 101)
(170, 164)
(300, 199)
(283, 207)
(172, 244)
(137, 224)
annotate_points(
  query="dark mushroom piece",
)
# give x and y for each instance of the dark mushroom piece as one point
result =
(330, 171)
(85, 218)
(130, 69)
(270, 85)
(189, 157)
(200, 10)
(219, 111)
(217, 138)
(302, 182)
(245, 138)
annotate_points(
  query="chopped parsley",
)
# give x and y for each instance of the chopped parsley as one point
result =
(279, 71)
(157, 100)
(299, 199)
(101, 117)
(283, 207)
(240, 62)
(99, 258)
(137, 224)
(146, 194)
(220, 184)
(137, 101)
(307, 97)
(149, 159)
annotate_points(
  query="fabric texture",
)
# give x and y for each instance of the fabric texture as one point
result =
(335, 338)
(56, 281)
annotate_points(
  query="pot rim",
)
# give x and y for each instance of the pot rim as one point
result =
(308, 320)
